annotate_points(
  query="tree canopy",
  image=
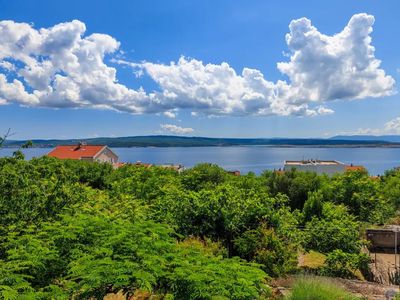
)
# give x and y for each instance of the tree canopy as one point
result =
(83, 230)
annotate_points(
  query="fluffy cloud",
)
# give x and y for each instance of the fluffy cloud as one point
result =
(325, 68)
(60, 67)
(176, 129)
(170, 114)
(393, 126)
(390, 127)
(321, 69)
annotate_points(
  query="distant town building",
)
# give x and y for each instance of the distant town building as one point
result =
(234, 173)
(119, 165)
(354, 168)
(179, 168)
(139, 163)
(82, 151)
(329, 167)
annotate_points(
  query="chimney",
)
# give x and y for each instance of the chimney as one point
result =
(81, 145)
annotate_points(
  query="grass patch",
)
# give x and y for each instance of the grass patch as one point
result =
(312, 260)
(314, 288)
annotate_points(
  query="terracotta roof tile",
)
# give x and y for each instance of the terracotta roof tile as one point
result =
(75, 151)
(354, 168)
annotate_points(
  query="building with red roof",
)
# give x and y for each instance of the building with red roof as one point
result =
(355, 168)
(82, 151)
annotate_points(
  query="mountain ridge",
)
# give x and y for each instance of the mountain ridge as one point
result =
(191, 141)
(358, 137)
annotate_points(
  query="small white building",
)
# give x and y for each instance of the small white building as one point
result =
(329, 167)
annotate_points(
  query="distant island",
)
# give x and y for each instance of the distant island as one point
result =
(183, 141)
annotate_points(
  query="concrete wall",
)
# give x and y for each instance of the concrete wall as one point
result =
(382, 239)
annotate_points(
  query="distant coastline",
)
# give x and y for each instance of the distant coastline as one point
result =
(181, 141)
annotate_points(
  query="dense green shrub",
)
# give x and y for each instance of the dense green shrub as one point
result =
(345, 265)
(361, 194)
(203, 176)
(276, 255)
(296, 185)
(313, 206)
(79, 229)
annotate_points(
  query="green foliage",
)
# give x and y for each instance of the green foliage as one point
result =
(142, 182)
(361, 194)
(336, 229)
(313, 206)
(31, 192)
(203, 176)
(93, 254)
(96, 242)
(95, 175)
(276, 255)
(345, 265)
(296, 185)
(222, 213)
(74, 229)
(391, 187)
(200, 276)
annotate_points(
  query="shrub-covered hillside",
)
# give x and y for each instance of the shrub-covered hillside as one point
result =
(73, 229)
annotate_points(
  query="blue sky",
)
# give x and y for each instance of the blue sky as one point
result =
(149, 96)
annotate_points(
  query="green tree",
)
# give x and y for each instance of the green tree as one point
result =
(345, 265)
(361, 194)
(336, 229)
(221, 213)
(276, 255)
(296, 185)
(203, 176)
(313, 206)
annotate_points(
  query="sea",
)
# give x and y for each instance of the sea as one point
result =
(247, 158)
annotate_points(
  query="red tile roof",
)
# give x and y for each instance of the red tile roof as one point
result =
(75, 151)
(118, 165)
(354, 168)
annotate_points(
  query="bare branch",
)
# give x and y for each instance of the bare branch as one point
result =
(6, 136)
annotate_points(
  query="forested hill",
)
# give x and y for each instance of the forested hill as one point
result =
(180, 141)
(388, 138)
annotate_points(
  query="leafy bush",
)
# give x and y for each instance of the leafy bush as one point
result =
(336, 229)
(345, 265)
(296, 185)
(79, 229)
(276, 255)
(361, 194)
(203, 176)
(313, 206)
(89, 252)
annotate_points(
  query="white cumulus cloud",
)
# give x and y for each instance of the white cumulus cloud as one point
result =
(322, 68)
(390, 127)
(393, 126)
(59, 67)
(170, 114)
(176, 129)
(62, 67)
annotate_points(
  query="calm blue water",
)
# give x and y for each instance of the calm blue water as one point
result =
(246, 159)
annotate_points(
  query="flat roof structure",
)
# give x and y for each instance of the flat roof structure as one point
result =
(329, 167)
(313, 162)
